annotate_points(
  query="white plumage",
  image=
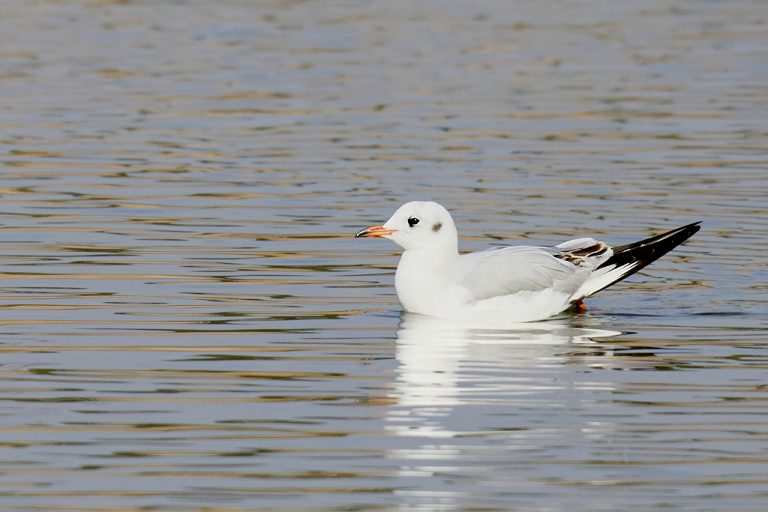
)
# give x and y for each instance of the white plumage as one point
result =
(510, 284)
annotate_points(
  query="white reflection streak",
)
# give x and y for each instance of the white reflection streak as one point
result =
(444, 365)
(431, 351)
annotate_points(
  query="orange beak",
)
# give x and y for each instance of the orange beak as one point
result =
(374, 231)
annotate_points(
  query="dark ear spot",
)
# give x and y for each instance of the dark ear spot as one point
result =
(436, 226)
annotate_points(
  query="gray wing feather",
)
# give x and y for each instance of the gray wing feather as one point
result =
(509, 270)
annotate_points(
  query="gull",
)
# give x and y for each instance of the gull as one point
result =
(513, 284)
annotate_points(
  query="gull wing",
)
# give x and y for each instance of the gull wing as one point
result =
(625, 260)
(508, 270)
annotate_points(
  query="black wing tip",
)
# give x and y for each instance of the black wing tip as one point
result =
(690, 229)
(693, 225)
(675, 236)
(645, 252)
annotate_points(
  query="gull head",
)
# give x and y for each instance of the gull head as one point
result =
(417, 225)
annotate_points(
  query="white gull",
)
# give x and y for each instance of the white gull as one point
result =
(509, 284)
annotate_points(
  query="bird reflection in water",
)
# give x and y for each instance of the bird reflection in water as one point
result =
(444, 364)
(461, 390)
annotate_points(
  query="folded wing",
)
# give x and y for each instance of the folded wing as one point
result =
(509, 270)
(578, 268)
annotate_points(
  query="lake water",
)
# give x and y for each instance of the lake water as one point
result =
(188, 324)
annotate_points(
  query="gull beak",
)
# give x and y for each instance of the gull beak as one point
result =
(374, 231)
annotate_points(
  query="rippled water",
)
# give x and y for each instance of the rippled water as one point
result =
(187, 323)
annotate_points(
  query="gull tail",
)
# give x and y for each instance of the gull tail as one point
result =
(628, 259)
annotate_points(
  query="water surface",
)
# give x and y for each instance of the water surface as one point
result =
(187, 323)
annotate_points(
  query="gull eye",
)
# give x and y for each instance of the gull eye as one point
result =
(412, 221)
